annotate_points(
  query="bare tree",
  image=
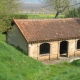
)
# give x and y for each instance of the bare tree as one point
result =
(60, 5)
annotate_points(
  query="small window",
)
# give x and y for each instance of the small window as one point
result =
(78, 44)
(45, 48)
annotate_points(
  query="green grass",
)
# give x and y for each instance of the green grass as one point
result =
(2, 37)
(64, 71)
(16, 66)
(43, 16)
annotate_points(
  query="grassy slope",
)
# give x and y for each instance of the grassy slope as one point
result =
(16, 66)
(64, 71)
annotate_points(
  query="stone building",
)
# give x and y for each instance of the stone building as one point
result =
(46, 39)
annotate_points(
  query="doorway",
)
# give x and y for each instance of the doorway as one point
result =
(64, 49)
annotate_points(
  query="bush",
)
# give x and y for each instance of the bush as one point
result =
(79, 11)
(76, 62)
(16, 16)
(5, 20)
(72, 13)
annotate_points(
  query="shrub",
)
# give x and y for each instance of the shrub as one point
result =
(72, 13)
(76, 62)
(5, 20)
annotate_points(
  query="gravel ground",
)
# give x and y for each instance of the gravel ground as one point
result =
(62, 59)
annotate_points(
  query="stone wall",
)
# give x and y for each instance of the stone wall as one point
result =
(15, 38)
(34, 50)
(71, 48)
(77, 51)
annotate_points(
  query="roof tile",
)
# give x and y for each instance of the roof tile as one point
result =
(48, 29)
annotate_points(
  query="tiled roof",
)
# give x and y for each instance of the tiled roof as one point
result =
(48, 29)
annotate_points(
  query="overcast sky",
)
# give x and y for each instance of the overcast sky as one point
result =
(37, 1)
(33, 4)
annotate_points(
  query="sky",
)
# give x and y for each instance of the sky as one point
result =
(33, 5)
(37, 1)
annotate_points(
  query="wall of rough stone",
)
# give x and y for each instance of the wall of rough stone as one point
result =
(15, 38)
(71, 48)
(34, 51)
(54, 50)
(77, 51)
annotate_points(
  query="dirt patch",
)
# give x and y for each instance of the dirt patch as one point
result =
(62, 59)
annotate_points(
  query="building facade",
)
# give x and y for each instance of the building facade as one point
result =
(54, 49)
(46, 39)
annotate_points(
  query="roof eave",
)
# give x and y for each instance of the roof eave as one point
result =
(60, 39)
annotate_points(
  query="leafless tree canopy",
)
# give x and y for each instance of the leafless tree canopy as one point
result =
(60, 5)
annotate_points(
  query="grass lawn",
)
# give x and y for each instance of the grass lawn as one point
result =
(43, 16)
(14, 65)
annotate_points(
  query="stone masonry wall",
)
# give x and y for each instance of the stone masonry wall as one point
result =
(15, 38)
(34, 50)
(77, 51)
(71, 48)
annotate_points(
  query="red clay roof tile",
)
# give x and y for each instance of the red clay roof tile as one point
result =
(53, 29)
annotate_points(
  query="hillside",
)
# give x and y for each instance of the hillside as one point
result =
(16, 66)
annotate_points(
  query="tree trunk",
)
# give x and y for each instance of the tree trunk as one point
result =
(57, 14)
